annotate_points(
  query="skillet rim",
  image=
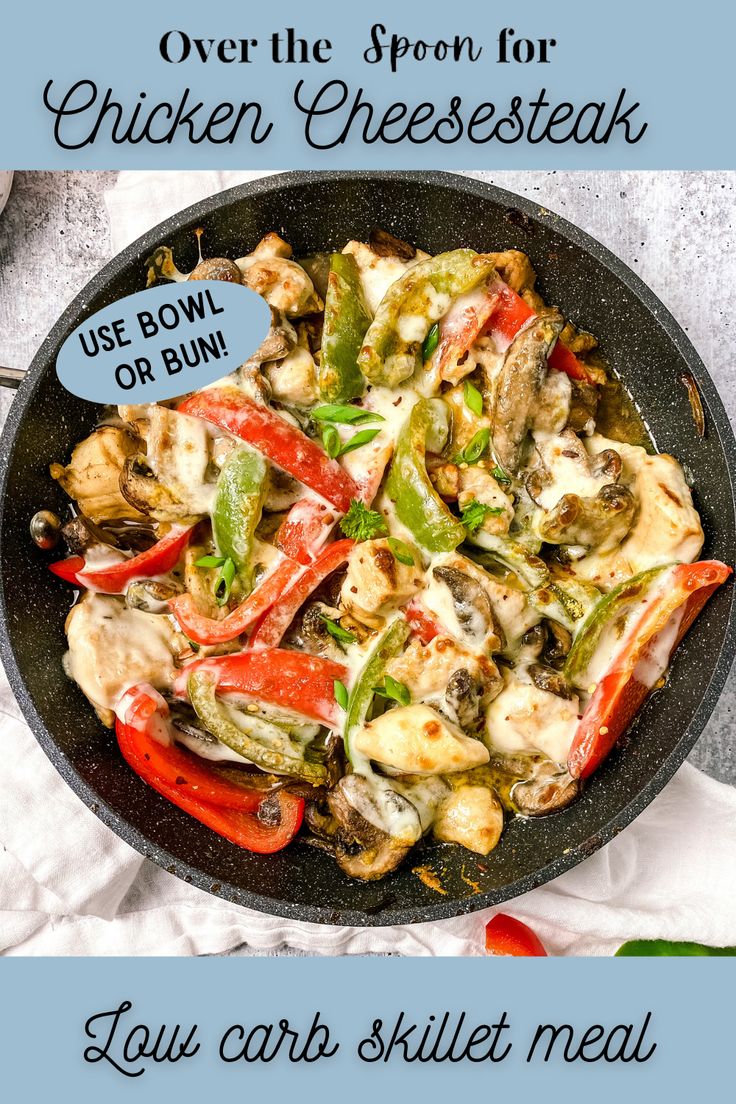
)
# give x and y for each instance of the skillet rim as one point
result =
(444, 908)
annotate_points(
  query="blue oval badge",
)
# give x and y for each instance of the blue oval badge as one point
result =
(163, 342)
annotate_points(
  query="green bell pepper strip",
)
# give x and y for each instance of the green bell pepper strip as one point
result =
(241, 490)
(371, 675)
(609, 609)
(392, 353)
(639, 948)
(264, 744)
(570, 603)
(530, 569)
(346, 321)
(418, 506)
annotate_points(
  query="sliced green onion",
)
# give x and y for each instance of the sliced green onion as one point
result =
(358, 440)
(224, 581)
(500, 475)
(331, 441)
(473, 398)
(393, 690)
(475, 448)
(431, 342)
(401, 552)
(210, 561)
(341, 635)
(341, 694)
(345, 415)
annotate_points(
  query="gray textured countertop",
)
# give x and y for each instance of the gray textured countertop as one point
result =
(676, 230)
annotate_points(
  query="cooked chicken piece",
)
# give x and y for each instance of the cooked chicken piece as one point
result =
(178, 453)
(282, 282)
(92, 476)
(471, 816)
(376, 583)
(519, 384)
(414, 739)
(666, 527)
(378, 270)
(112, 648)
(580, 501)
(293, 380)
(459, 683)
(524, 718)
(483, 612)
(474, 482)
(515, 269)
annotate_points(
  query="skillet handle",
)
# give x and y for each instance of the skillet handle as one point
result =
(11, 377)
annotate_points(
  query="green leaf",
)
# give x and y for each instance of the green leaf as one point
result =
(431, 342)
(358, 440)
(340, 634)
(345, 415)
(473, 398)
(475, 448)
(362, 524)
(224, 582)
(401, 552)
(341, 694)
(210, 561)
(331, 441)
(393, 690)
(475, 513)
(500, 475)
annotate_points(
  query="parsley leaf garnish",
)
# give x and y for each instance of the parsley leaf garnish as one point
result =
(475, 513)
(362, 524)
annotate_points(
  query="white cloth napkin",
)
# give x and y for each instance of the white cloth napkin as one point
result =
(69, 886)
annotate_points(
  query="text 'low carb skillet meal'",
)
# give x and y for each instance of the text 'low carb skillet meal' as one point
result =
(403, 573)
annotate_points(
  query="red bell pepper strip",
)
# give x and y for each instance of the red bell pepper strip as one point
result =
(114, 579)
(462, 324)
(206, 630)
(510, 314)
(281, 442)
(646, 649)
(508, 937)
(231, 810)
(293, 680)
(423, 624)
(305, 529)
(269, 631)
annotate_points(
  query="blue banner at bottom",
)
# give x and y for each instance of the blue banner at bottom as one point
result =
(358, 1029)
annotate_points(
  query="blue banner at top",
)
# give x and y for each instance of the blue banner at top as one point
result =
(378, 85)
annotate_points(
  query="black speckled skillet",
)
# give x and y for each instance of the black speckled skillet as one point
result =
(315, 212)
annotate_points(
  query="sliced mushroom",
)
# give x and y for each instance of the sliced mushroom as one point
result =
(217, 268)
(601, 522)
(465, 697)
(362, 849)
(559, 642)
(140, 487)
(547, 791)
(519, 383)
(471, 603)
(385, 244)
(151, 596)
(554, 682)
(583, 406)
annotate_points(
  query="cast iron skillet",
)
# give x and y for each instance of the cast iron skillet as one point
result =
(322, 211)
